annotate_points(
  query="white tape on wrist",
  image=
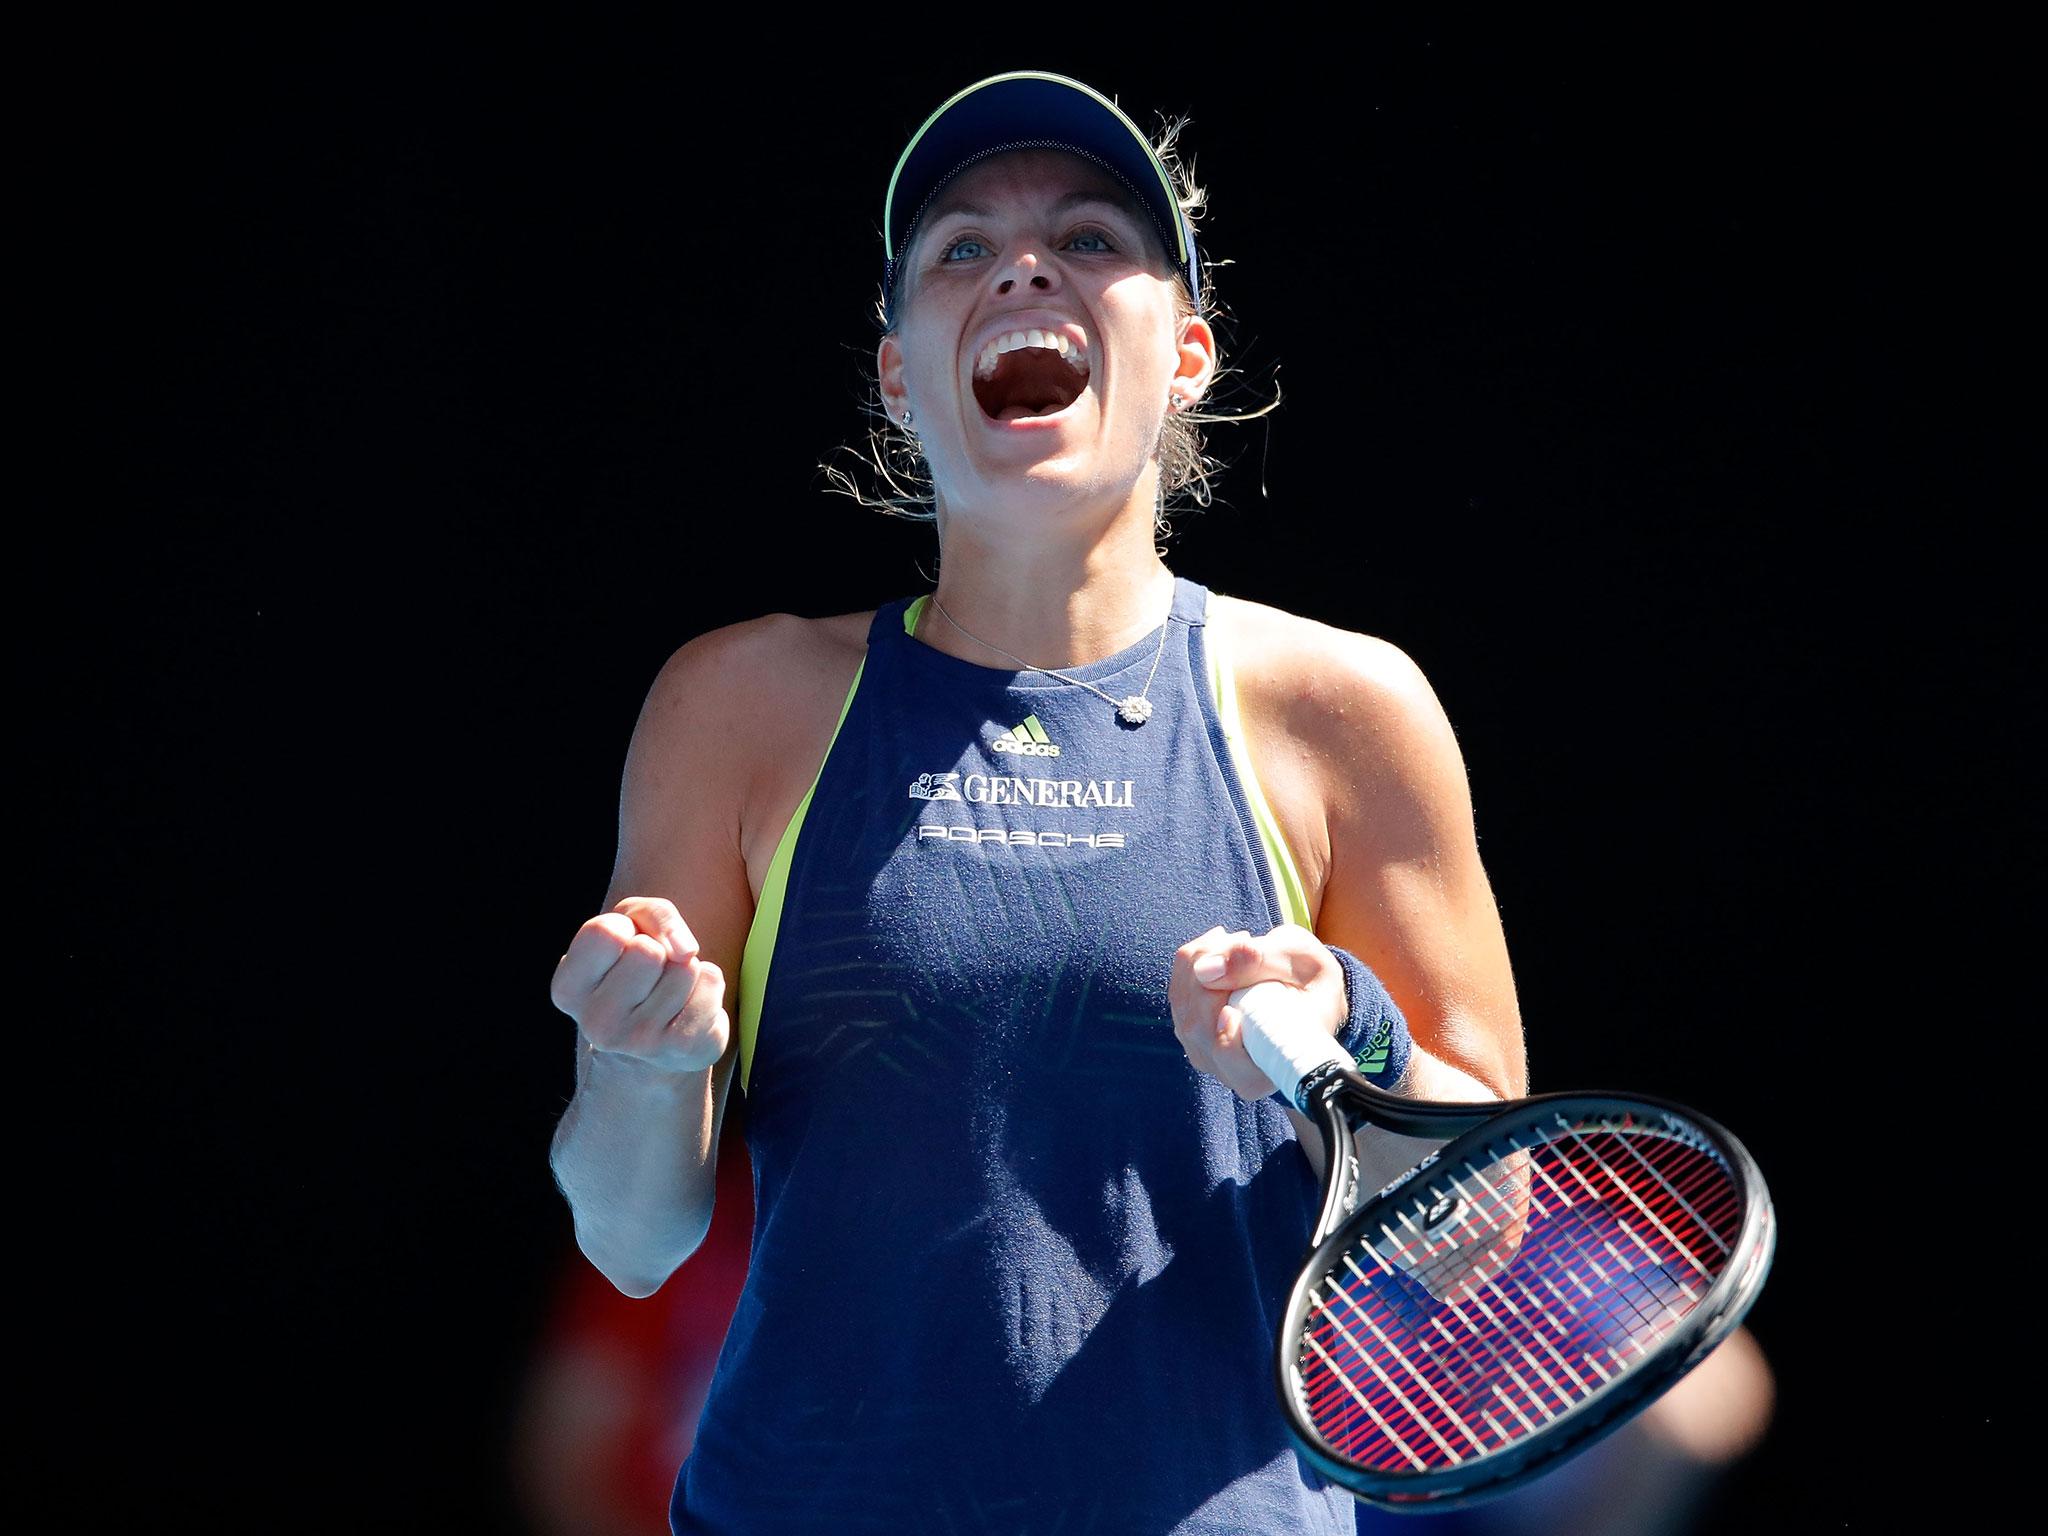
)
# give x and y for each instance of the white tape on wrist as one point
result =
(1284, 1038)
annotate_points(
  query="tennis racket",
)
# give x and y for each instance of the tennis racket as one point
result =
(1517, 1294)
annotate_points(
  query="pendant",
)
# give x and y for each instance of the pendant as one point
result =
(1136, 710)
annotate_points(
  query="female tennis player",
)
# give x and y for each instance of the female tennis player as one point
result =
(957, 890)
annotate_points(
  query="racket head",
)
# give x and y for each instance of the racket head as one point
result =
(1519, 1294)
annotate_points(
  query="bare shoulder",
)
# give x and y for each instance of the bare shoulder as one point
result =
(739, 718)
(734, 695)
(1350, 743)
(775, 659)
(1324, 683)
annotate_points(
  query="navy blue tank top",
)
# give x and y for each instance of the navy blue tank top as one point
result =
(1017, 1266)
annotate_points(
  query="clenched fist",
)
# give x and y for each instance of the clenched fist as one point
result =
(635, 985)
(1207, 969)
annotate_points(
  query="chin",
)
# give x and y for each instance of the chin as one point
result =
(1060, 488)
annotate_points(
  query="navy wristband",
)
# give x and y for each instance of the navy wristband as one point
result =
(1374, 1035)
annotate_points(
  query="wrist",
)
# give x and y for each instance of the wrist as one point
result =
(641, 1075)
(1374, 1034)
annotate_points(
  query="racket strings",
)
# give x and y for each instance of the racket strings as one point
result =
(1529, 1384)
(1518, 1288)
(1537, 1380)
(1533, 1379)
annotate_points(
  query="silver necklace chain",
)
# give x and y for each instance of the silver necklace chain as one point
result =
(1135, 708)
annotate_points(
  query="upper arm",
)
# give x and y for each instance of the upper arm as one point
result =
(679, 802)
(686, 776)
(727, 740)
(1404, 888)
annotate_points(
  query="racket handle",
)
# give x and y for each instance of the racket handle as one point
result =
(1284, 1039)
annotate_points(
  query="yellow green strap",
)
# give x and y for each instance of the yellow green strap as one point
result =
(1286, 878)
(760, 951)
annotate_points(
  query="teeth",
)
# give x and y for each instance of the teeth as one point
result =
(1075, 354)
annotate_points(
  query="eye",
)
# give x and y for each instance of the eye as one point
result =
(966, 248)
(1097, 240)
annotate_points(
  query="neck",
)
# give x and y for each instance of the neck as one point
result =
(1050, 602)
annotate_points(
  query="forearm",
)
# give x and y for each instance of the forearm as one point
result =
(633, 1157)
(1432, 1078)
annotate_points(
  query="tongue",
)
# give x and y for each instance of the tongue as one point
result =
(1018, 412)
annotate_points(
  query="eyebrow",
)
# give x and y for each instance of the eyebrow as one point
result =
(953, 206)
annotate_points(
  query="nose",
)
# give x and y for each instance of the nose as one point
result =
(1024, 268)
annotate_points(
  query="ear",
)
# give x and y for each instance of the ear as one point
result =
(889, 368)
(1196, 359)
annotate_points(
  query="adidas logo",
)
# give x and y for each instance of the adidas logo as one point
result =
(1027, 740)
(1374, 1057)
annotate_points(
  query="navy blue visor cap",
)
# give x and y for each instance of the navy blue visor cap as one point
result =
(1029, 109)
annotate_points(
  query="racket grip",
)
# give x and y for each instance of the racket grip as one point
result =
(1284, 1039)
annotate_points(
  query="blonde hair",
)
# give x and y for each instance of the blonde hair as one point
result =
(892, 460)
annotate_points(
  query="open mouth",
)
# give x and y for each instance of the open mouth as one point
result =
(1029, 373)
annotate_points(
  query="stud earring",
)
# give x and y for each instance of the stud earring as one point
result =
(906, 422)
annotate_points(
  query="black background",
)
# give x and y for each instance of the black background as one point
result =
(417, 391)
